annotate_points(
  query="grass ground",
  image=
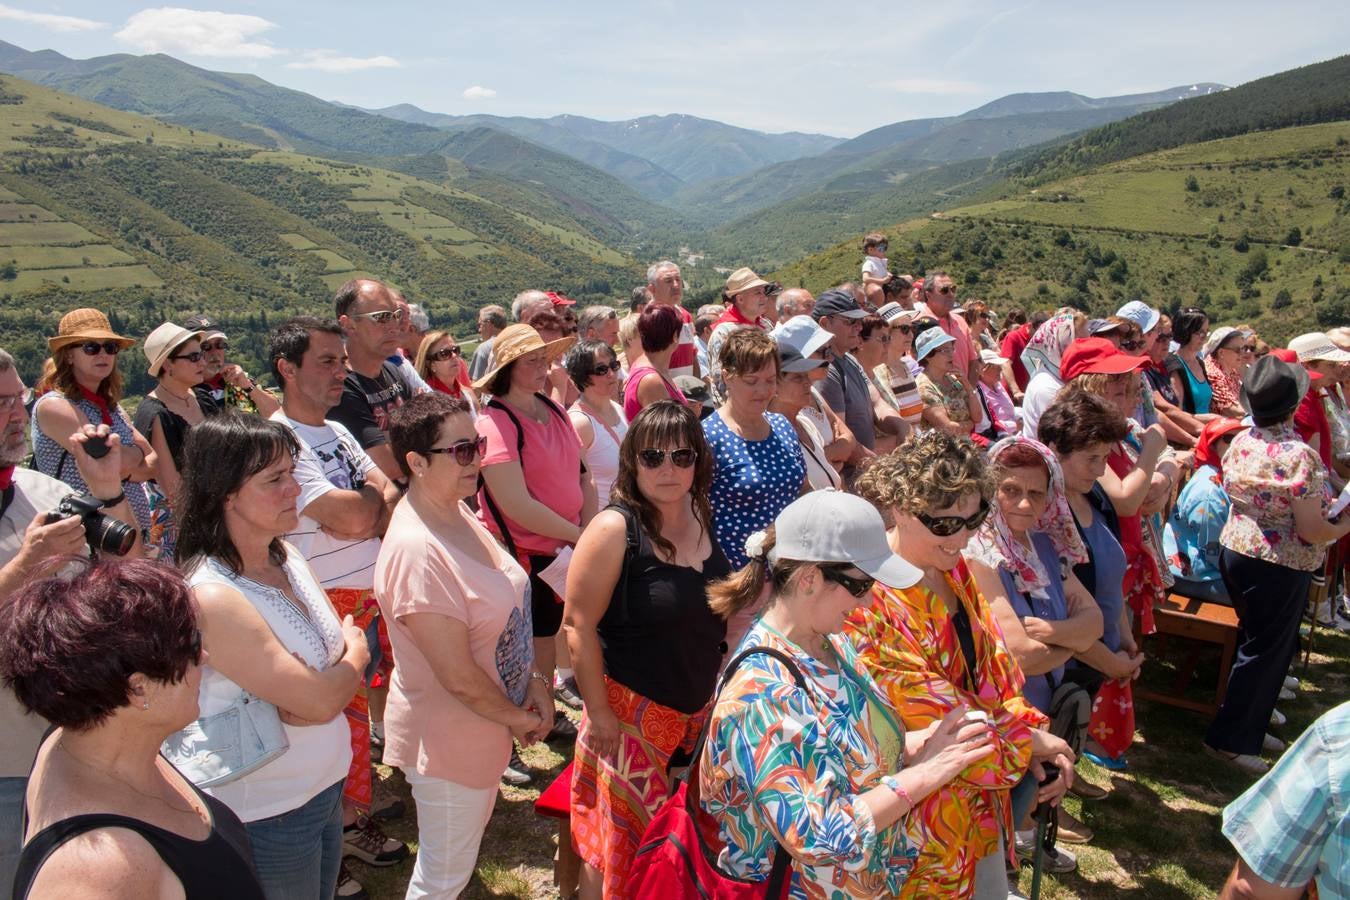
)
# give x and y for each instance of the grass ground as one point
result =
(1157, 832)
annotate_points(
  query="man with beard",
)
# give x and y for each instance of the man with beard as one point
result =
(227, 384)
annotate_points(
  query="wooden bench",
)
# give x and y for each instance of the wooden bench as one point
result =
(556, 803)
(1196, 620)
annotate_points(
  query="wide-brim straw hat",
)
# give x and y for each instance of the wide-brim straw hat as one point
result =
(161, 343)
(80, 325)
(513, 342)
(742, 280)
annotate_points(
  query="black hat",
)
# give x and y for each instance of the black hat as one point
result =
(837, 302)
(1273, 388)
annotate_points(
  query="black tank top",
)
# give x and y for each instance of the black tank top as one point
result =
(661, 640)
(221, 866)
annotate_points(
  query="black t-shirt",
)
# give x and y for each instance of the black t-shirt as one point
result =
(662, 641)
(173, 426)
(366, 403)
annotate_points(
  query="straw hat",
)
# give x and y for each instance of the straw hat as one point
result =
(80, 325)
(161, 342)
(742, 280)
(513, 342)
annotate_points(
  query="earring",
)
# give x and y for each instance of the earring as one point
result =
(145, 704)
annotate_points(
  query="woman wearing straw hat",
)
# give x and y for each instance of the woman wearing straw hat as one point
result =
(536, 492)
(165, 416)
(85, 388)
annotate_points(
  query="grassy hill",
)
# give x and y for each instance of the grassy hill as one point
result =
(1211, 224)
(149, 221)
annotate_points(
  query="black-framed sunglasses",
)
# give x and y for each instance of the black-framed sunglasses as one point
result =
(215, 345)
(1131, 345)
(194, 357)
(855, 585)
(94, 348)
(945, 289)
(604, 369)
(653, 458)
(444, 353)
(464, 451)
(946, 526)
(1164, 335)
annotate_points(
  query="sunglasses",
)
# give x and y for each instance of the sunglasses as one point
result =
(945, 289)
(443, 354)
(882, 247)
(194, 357)
(946, 526)
(882, 337)
(93, 348)
(1248, 348)
(1131, 345)
(383, 317)
(855, 585)
(216, 345)
(464, 451)
(604, 369)
(652, 458)
(1165, 336)
(903, 329)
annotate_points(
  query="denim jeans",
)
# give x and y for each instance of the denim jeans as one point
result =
(297, 854)
(11, 829)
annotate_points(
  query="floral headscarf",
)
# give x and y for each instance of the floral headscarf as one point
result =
(995, 546)
(1048, 344)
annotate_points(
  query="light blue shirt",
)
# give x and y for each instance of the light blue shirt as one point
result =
(1191, 536)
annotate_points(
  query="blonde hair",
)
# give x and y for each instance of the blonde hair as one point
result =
(933, 471)
(628, 330)
(421, 363)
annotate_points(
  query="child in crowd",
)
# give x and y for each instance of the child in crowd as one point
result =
(875, 267)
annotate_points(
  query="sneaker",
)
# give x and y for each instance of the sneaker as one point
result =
(348, 888)
(1271, 744)
(1277, 718)
(1286, 694)
(364, 840)
(1252, 765)
(567, 692)
(517, 773)
(1056, 860)
(564, 729)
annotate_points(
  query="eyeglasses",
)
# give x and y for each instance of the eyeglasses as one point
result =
(903, 329)
(1164, 335)
(1131, 345)
(652, 458)
(194, 357)
(854, 584)
(464, 451)
(946, 526)
(880, 336)
(604, 369)
(215, 345)
(383, 317)
(13, 401)
(443, 354)
(93, 348)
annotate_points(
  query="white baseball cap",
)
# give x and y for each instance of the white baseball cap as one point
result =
(834, 527)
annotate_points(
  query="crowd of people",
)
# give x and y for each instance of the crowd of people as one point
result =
(931, 538)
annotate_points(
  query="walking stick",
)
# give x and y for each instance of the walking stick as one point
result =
(1045, 814)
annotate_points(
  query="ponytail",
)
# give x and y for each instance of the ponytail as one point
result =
(742, 589)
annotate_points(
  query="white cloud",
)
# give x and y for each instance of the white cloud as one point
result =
(330, 61)
(49, 20)
(198, 32)
(928, 86)
(478, 92)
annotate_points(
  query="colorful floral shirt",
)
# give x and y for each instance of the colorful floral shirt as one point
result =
(1264, 471)
(786, 765)
(1226, 386)
(950, 395)
(909, 644)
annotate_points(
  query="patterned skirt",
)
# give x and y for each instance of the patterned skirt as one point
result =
(615, 796)
(357, 788)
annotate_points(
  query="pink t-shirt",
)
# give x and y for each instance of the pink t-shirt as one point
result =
(631, 405)
(426, 727)
(551, 463)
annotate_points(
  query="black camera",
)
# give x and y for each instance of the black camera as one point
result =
(104, 533)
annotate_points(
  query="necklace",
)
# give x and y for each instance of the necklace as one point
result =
(183, 399)
(108, 773)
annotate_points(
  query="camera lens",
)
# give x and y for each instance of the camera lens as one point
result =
(108, 535)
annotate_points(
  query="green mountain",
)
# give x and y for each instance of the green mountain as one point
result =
(153, 221)
(250, 109)
(1253, 228)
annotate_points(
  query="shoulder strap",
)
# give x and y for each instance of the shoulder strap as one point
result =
(631, 545)
(495, 511)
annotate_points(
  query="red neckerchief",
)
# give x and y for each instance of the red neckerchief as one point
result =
(217, 383)
(437, 384)
(733, 314)
(99, 401)
(6, 477)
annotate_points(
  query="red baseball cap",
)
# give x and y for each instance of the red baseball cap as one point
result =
(1291, 357)
(559, 299)
(1096, 355)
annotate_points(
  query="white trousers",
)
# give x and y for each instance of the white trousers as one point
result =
(451, 819)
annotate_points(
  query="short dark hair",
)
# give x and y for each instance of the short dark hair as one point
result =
(702, 323)
(414, 426)
(870, 323)
(500, 385)
(1187, 323)
(658, 326)
(220, 454)
(70, 643)
(1078, 420)
(290, 341)
(580, 361)
(346, 295)
(495, 316)
(872, 239)
(898, 284)
(640, 297)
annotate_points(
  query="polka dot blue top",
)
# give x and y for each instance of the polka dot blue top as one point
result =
(752, 482)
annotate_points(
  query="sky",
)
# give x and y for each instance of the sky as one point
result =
(830, 68)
